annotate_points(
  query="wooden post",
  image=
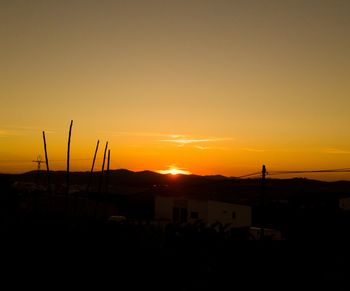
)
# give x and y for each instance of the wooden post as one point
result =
(107, 174)
(101, 181)
(92, 167)
(103, 166)
(263, 182)
(68, 156)
(47, 165)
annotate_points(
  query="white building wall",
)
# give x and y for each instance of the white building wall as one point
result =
(164, 208)
(223, 212)
(199, 206)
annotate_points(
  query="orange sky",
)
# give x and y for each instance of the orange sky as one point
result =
(211, 87)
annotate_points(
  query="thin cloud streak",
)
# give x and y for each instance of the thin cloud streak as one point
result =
(3, 133)
(188, 141)
(155, 135)
(140, 134)
(254, 150)
(335, 151)
(183, 140)
(11, 133)
(202, 147)
(179, 139)
(21, 130)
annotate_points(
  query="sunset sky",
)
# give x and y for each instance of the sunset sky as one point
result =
(210, 87)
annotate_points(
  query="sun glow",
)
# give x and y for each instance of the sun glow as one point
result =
(174, 171)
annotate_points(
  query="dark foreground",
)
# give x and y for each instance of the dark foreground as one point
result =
(53, 251)
(44, 246)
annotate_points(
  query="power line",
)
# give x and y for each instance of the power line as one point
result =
(342, 170)
(273, 173)
(249, 175)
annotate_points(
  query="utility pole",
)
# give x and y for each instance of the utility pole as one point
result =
(92, 167)
(263, 184)
(68, 156)
(103, 167)
(47, 165)
(107, 174)
(101, 181)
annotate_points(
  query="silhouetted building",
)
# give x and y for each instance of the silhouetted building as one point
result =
(176, 209)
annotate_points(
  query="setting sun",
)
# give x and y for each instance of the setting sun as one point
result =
(174, 171)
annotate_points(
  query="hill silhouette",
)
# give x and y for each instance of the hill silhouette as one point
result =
(212, 186)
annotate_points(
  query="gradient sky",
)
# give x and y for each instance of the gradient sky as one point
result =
(213, 87)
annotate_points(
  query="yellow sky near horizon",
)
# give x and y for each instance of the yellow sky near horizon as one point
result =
(212, 87)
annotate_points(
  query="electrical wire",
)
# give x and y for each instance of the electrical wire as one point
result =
(274, 173)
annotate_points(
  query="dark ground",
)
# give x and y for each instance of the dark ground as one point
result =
(56, 252)
(53, 249)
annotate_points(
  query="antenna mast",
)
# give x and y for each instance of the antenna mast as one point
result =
(38, 161)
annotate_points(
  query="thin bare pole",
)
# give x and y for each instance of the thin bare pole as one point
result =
(263, 185)
(103, 167)
(101, 180)
(107, 174)
(68, 155)
(47, 165)
(92, 167)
